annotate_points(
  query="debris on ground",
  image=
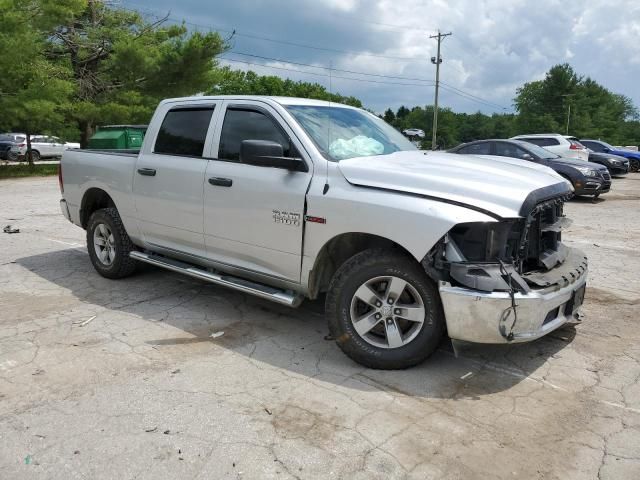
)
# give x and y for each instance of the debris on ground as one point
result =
(9, 229)
(27, 460)
(85, 322)
(167, 432)
(217, 334)
(177, 370)
(268, 411)
(150, 429)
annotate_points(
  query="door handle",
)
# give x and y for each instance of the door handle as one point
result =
(149, 172)
(221, 182)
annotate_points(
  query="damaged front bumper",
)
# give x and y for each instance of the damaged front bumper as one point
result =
(505, 317)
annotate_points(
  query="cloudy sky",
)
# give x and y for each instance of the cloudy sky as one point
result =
(496, 45)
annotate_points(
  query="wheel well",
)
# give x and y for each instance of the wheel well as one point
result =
(337, 251)
(94, 199)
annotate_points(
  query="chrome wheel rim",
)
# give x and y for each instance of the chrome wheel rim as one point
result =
(387, 312)
(104, 244)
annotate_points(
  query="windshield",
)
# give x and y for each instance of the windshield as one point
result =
(341, 133)
(541, 152)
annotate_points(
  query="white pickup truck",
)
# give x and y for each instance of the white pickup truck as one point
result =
(287, 198)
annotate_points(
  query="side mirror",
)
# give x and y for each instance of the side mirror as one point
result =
(265, 153)
(527, 156)
(606, 150)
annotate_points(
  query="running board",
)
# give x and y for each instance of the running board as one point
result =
(263, 291)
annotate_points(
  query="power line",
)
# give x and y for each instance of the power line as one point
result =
(331, 68)
(325, 74)
(234, 32)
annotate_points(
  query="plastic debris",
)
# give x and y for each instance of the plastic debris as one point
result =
(268, 411)
(466, 375)
(217, 334)
(86, 322)
(27, 460)
(150, 429)
(9, 229)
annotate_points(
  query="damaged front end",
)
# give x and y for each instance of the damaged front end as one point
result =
(511, 280)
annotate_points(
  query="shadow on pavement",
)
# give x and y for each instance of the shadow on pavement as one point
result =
(291, 339)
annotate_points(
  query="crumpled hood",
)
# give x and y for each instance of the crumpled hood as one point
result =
(496, 184)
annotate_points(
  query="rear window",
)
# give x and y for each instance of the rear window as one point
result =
(184, 131)
(542, 141)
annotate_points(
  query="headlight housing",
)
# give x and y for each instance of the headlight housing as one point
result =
(587, 172)
(615, 162)
(488, 241)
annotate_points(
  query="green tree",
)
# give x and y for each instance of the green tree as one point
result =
(237, 82)
(33, 90)
(122, 64)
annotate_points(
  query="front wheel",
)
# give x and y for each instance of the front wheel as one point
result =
(634, 165)
(383, 310)
(109, 245)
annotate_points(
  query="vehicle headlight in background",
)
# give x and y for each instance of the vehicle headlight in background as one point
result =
(615, 162)
(587, 172)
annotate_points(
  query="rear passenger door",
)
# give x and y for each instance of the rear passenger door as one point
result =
(169, 176)
(254, 215)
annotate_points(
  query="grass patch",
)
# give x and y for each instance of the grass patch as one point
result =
(19, 171)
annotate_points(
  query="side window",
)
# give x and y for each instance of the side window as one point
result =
(184, 131)
(542, 141)
(509, 150)
(596, 147)
(37, 140)
(243, 124)
(483, 148)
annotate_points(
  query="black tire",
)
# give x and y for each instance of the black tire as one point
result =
(634, 165)
(35, 156)
(121, 264)
(368, 266)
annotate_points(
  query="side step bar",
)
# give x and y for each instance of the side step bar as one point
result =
(263, 291)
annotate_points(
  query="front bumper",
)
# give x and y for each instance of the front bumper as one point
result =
(487, 317)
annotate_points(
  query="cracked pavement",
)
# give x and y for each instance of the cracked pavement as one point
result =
(122, 379)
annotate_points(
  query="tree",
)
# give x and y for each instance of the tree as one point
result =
(33, 91)
(237, 82)
(122, 64)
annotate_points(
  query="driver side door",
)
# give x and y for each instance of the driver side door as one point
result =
(253, 214)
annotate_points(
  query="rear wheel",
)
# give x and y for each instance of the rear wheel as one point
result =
(634, 165)
(35, 156)
(109, 245)
(383, 310)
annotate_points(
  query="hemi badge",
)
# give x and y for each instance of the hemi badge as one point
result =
(309, 218)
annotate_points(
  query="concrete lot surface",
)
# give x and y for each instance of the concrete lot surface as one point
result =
(122, 379)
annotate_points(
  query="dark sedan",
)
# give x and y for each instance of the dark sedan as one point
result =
(587, 178)
(616, 165)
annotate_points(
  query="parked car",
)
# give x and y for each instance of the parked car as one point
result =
(562, 145)
(618, 166)
(587, 178)
(413, 132)
(599, 146)
(257, 194)
(42, 146)
(8, 141)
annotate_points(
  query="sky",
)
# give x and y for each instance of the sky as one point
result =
(495, 47)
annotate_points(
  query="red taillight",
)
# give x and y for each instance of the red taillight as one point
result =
(576, 146)
(22, 145)
(60, 182)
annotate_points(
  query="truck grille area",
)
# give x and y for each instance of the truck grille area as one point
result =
(541, 242)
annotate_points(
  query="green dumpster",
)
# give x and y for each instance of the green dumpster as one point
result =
(118, 137)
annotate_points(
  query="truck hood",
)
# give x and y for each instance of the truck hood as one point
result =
(494, 184)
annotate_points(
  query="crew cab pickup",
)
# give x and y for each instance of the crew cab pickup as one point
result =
(288, 198)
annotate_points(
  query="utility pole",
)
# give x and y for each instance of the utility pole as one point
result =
(566, 96)
(437, 60)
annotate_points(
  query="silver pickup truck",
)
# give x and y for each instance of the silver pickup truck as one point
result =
(288, 198)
